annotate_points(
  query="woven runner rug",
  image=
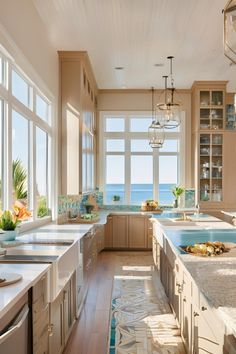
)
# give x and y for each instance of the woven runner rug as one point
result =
(141, 319)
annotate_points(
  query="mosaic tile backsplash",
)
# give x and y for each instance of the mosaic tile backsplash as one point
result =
(75, 203)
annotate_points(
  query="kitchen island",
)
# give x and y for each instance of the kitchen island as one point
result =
(201, 290)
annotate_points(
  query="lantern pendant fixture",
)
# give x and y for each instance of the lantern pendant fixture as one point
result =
(169, 112)
(156, 132)
(230, 30)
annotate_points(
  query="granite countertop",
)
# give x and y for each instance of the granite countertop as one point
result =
(10, 294)
(214, 276)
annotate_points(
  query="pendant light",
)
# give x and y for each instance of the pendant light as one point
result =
(230, 30)
(169, 111)
(156, 132)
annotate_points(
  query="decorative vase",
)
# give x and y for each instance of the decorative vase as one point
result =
(176, 203)
(8, 235)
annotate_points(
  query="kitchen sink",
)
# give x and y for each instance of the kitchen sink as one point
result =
(63, 260)
(37, 249)
(187, 237)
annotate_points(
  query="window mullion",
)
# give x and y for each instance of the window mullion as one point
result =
(8, 134)
(127, 161)
(155, 174)
(32, 170)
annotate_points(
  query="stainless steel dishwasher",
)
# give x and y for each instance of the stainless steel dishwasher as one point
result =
(15, 330)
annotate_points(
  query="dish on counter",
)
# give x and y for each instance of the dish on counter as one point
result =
(207, 249)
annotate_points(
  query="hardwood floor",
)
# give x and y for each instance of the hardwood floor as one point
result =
(91, 332)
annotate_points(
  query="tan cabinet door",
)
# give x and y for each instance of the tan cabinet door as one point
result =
(229, 155)
(138, 232)
(120, 231)
(56, 340)
(108, 233)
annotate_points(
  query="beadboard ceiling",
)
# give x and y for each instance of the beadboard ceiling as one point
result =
(137, 34)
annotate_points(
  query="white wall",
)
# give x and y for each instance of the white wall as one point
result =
(20, 20)
(24, 36)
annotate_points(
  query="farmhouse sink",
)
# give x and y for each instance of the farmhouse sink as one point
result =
(63, 260)
(37, 249)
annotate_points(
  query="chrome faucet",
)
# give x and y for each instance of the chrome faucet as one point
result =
(198, 209)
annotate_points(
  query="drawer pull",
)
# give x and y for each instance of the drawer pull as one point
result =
(180, 287)
(50, 330)
(184, 299)
(203, 308)
(195, 314)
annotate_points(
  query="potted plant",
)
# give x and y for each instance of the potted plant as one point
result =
(89, 207)
(9, 220)
(177, 192)
(116, 198)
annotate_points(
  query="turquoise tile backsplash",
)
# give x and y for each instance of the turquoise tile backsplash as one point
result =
(75, 203)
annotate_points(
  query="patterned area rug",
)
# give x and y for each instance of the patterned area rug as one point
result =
(141, 319)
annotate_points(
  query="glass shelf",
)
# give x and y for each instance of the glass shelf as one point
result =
(230, 120)
(211, 170)
(211, 110)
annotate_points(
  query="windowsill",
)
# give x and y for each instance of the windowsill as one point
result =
(30, 225)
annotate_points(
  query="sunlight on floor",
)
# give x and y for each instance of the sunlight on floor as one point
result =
(126, 277)
(138, 268)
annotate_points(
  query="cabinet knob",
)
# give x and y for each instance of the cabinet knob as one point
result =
(195, 314)
(203, 308)
(184, 299)
(179, 286)
(50, 330)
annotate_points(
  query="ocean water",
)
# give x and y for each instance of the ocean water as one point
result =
(140, 192)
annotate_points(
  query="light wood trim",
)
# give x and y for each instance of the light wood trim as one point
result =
(133, 90)
(208, 85)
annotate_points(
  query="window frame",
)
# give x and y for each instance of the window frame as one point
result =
(127, 135)
(88, 154)
(10, 103)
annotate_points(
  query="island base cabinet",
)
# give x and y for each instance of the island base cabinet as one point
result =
(204, 339)
(156, 252)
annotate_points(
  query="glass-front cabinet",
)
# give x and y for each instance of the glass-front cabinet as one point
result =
(211, 167)
(230, 118)
(211, 109)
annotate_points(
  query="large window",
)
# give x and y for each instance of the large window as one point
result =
(130, 168)
(25, 140)
(1, 152)
(20, 157)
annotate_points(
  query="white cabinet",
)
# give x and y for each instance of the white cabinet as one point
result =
(156, 252)
(201, 329)
(208, 330)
